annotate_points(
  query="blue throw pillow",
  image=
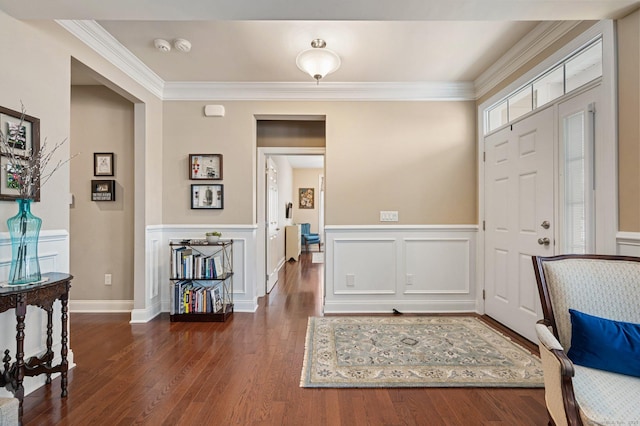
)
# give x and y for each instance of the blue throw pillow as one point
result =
(605, 344)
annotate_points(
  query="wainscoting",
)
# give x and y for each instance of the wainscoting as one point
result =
(158, 265)
(628, 243)
(375, 269)
(53, 252)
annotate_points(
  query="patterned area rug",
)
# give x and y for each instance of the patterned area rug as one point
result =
(435, 351)
(317, 257)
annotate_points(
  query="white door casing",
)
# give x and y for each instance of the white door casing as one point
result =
(519, 215)
(272, 254)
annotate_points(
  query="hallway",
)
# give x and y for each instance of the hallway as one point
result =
(243, 372)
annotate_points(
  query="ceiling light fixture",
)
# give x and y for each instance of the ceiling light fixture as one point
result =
(318, 61)
(162, 45)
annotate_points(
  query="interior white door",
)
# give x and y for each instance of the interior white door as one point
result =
(519, 215)
(272, 254)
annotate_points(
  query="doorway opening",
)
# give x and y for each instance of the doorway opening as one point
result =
(290, 160)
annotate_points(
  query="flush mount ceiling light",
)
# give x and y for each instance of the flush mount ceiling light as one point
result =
(318, 61)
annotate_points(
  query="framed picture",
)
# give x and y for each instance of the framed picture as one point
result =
(103, 190)
(22, 132)
(103, 163)
(9, 178)
(205, 166)
(305, 198)
(22, 135)
(207, 196)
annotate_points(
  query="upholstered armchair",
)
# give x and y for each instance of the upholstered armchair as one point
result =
(581, 350)
(308, 237)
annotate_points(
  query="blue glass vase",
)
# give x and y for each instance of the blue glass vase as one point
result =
(24, 229)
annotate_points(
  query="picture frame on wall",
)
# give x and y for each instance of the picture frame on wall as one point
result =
(103, 190)
(9, 186)
(22, 134)
(306, 198)
(207, 196)
(205, 166)
(103, 164)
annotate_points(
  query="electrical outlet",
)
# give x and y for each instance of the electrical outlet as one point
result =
(388, 216)
(410, 279)
(107, 279)
(351, 280)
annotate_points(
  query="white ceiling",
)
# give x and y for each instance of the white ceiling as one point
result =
(242, 41)
(306, 161)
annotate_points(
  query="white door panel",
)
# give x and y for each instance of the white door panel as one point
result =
(519, 198)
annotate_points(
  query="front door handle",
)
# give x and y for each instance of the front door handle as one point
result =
(544, 241)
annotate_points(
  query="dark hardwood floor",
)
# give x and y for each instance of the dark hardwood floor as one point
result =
(243, 372)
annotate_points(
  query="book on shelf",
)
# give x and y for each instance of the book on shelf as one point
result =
(217, 298)
(190, 297)
(219, 270)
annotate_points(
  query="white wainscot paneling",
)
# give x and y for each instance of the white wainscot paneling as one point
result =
(364, 266)
(437, 265)
(628, 243)
(420, 269)
(244, 259)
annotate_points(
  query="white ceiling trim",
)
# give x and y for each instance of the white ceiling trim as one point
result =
(542, 36)
(97, 38)
(381, 91)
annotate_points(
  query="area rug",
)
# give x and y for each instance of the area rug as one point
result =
(317, 257)
(413, 351)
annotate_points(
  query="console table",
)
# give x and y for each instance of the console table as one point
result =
(43, 294)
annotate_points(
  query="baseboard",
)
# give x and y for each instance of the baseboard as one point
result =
(100, 306)
(404, 306)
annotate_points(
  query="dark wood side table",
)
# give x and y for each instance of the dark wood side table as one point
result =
(43, 295)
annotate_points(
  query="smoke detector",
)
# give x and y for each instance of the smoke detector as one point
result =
(182, 45)
(162, 45)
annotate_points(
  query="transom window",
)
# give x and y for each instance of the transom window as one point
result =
(578, 69)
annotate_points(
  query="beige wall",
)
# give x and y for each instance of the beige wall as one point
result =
(628, 122)
(39, 78)
(307, 178)
(418, 158)
(101, 232)
(44, 51)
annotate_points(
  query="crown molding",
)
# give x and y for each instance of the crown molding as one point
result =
(96, 37)
(325, 91)
(532, 44)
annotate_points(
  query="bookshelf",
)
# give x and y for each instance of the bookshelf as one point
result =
(201, 279)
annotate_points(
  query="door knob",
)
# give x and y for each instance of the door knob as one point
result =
(545, 224)
(544, 241)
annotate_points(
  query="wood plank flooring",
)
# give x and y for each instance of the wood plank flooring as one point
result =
(244, 372)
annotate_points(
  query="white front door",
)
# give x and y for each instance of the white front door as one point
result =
(519, 216)
(273, 255)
